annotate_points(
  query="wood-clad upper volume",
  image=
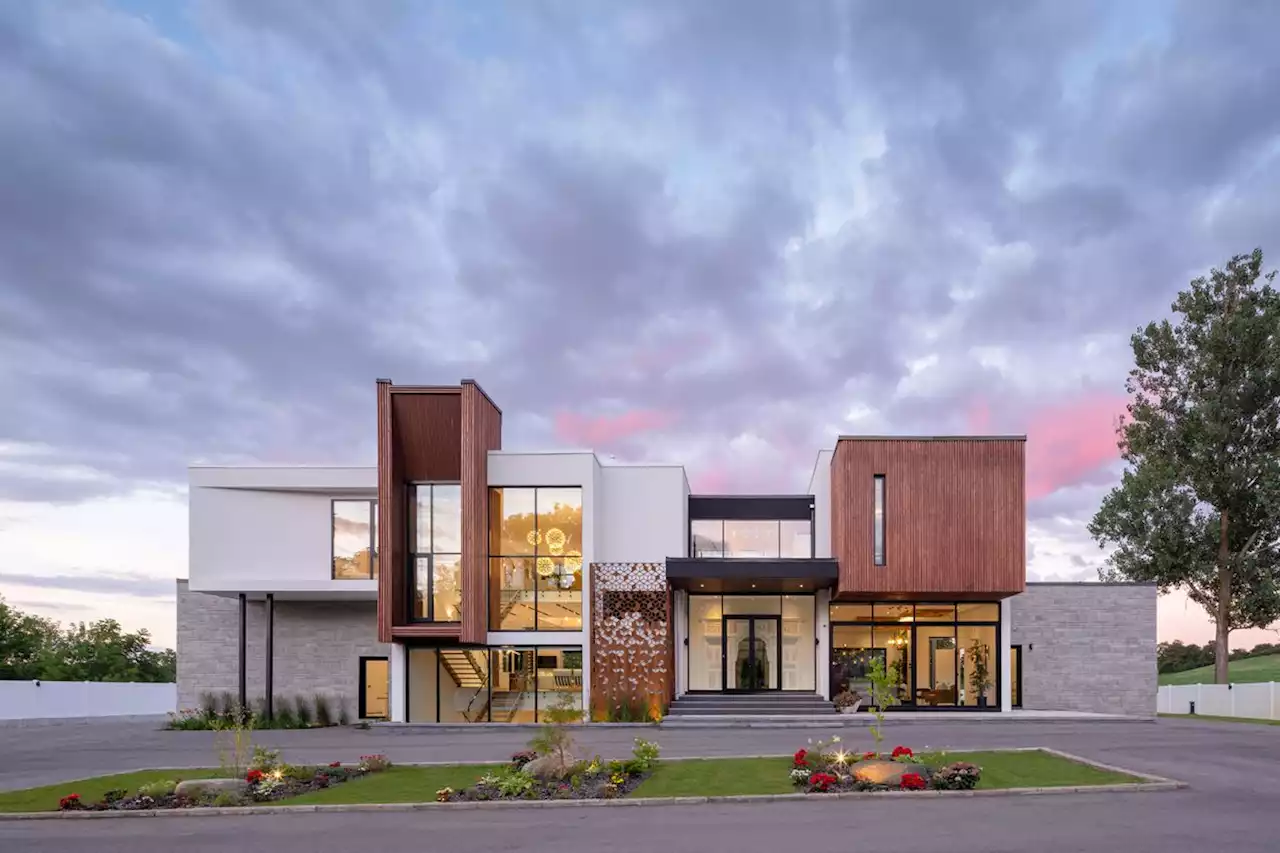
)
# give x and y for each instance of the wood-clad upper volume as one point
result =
(481, 432)
(954, 517)
(420, 439)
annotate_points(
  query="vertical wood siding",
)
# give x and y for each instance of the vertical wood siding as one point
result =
(955, 517)
(481, 432)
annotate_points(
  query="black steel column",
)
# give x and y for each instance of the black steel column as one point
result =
(243, 641)
(271, 633)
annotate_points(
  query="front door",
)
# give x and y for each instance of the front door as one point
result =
(375, 685)
(752, 659)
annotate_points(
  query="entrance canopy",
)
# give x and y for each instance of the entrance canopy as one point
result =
(717, 575)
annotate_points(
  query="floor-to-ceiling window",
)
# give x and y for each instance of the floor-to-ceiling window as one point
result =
(937, 655)
(535, 565)
(507, 684)
(751, 642)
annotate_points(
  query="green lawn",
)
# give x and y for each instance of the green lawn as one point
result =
(688, 778)
(45, 799)
(718, 777)
(397, 785)
(1265, 668)
(1210, 717)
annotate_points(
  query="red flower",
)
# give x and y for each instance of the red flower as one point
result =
(912, 782)
(253, 777)
(902, 750)
(868, 755)
(821, 781)
(800, 759)
(70, 801)
(335, 763)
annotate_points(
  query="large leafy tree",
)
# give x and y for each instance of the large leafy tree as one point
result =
(1199, 507)
(32, 647)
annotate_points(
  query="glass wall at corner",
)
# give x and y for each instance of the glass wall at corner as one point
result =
(559, 684)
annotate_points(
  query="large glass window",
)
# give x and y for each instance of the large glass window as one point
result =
(938, 655)
(355, 540)
(436, 561)
(763, 633)
(747, 539)
(535, 566)
(499, 685)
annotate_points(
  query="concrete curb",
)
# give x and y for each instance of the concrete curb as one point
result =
(857, 721)
(1150, 783)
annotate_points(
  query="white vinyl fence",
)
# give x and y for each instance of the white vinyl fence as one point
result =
(1259, 701)
(63, 700)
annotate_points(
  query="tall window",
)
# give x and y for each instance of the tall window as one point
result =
(878, 534)
(436, 561)
(354, 532)
(535, 559)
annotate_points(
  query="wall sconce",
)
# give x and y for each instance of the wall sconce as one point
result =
(1031, 647)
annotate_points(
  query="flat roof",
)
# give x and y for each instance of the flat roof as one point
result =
(931, 438)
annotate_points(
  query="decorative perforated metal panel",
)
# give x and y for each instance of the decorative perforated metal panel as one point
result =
(631, 651)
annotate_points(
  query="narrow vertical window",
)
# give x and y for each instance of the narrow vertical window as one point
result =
(878, 521)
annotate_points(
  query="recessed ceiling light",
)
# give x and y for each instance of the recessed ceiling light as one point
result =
(753, 586)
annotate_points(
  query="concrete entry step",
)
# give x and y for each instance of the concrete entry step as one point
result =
(750, 705)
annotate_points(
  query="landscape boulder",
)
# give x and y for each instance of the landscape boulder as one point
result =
(197, 788)
(551, 766)
(887, 772)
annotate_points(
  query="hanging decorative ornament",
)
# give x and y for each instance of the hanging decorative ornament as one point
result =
(556, 540)
(534, 538)
(546, 566)
(573, 561)
(566, 580)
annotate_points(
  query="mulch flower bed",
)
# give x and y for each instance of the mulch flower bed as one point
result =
(582, 780)
(269, 782)
(825, 767)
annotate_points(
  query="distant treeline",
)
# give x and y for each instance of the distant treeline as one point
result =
(1179, 657)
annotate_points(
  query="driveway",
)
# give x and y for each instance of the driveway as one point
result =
(1230, 806)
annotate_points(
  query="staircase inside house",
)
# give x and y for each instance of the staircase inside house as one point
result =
(696, 705)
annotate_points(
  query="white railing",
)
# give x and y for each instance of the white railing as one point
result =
(61, 700)
(1259, 701)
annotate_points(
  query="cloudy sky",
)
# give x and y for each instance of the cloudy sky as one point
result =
(717, 233)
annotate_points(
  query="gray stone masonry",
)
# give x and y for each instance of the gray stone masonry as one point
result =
(1094, 647)
(318, 646)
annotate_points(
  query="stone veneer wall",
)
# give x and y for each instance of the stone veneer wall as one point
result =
(318, 646)
(1095, 647)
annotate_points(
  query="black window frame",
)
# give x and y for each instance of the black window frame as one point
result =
(879, 525)
(362, 708)
(374, 566)
(534, 556)
(693, 553)
(414, 555)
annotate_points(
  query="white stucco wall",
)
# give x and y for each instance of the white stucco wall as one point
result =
(643, 512)
(820, 488)
(269, 529)
(66, 700)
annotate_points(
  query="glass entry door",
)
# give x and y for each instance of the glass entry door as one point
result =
(752, 659)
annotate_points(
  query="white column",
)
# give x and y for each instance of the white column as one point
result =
(398, 693)
(679, 619)
(1006, 659)
(822, 634)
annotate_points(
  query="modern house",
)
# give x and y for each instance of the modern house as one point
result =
(459, 582)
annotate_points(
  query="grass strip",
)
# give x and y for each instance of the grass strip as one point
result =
(45, 798)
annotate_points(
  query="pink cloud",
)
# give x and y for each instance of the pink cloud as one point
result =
(1068, 442)
(584, 431)
(978, 417)
(712, 480)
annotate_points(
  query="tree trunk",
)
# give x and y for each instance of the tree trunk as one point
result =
(1223, 632)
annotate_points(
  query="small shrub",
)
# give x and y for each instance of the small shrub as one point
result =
(344, 716)
(208, 705)
(264, 759)
(226, 704)
(115, 795)
(515, 783)
(303, 712)
(443, 795)
(374, 763)
(253, 777)
(282, 713)
(903, 754)
(646, 754)
(960, 776)
(297, 773)
(324, 710)
(554, 737)
(912, 782)
(158, 789)
(821, 782)
(71, 802)
(188, 719)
